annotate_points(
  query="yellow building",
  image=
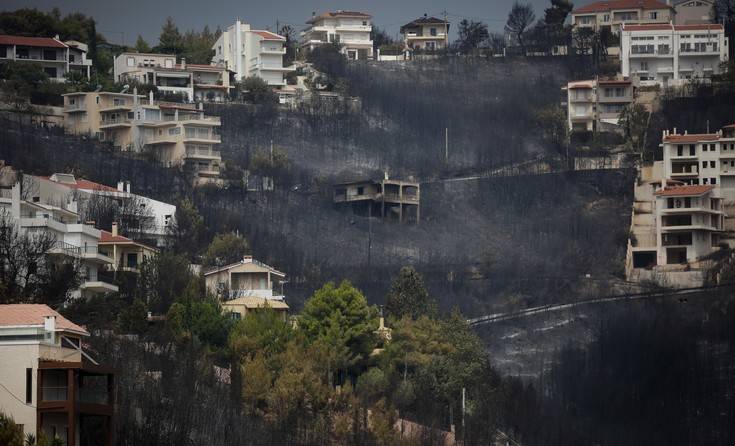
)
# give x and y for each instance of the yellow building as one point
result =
(127, 254)
(240, 307)
(172, 134)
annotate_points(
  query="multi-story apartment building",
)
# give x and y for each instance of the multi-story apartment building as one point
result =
(71, 239)
(392, 200)
(196, 82)
(694, 12)
(246, 278)
(595, 105)
(250, 52)
(50, 385)
(174, 134)
(612, 14)
(682, 208)
(350, 29)
(426, 33)
(54, 57)
(666, 54)
(144, 218)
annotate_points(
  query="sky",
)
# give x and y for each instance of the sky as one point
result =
(121, 21)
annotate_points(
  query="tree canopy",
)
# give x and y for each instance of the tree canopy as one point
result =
(408, 296)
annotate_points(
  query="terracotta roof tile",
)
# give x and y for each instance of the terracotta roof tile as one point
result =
(45, 42)
(269, 35)
(692, 137)
(33, 314)
(684, 191)
(605, 6)
(81, 183)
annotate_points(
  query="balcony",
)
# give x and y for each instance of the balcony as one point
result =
(654, 53)
(693, 172)
(280, 51)
(262, 294)
(73, 108)
(354, 28)
(119, 122)
(200, 153)
(697, 52)
(201, 135)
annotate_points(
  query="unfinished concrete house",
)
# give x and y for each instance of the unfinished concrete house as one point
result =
(392, 200)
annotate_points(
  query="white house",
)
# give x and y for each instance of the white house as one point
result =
(350, 29)
(426, 33)
(73, 240)
(667, 54)
(249, 52)
(50, 385)
(246, 278)
(54, 57)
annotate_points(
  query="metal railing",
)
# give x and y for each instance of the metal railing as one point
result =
(54, 393)
(191, 151)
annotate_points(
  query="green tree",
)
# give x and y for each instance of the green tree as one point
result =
(202, 319)
(260, 332)
(225, 249)
(520, 18)
(170, 40)
(133, 319)
(340, 320)
(188, 229)
(634, 121)
(275, 165)
(141, 45)
(256, 90)
(163, 279)
(408, 296)
(11, 434)
(471, 35)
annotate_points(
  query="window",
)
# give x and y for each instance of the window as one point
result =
(606, 18)
(704, 164)
(704, 180)
(653, 15)
(432, 31)
(712, 163)
(679, 150)
(692, 150)
(29, 386)
(131, 61)
(132, 260)
(360, 190)
(712, 147)
(71, 58)
(49, 54)
(50, 71)
(713, 181)
(4, 52)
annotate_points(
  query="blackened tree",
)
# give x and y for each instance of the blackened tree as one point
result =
(520, 18)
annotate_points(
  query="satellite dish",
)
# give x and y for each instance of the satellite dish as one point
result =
(125, 88)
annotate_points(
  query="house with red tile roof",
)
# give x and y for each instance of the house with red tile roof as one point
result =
(54, 57)
(209, 83)
(426, 33)
(612, 14)
(50, 384)
(595, 104)
(351, 29)
(127, 254)
(250, 52)
(669, 55)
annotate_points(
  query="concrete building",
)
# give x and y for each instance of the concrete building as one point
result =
(680, 216)
(54, 57)
(50, 385)
(240, 307)
(249, 52)
(210, 83)
(612, 14)
(72, 240)
(595, 105)
(667, 54)
(426, 34)
(350, 29)
(145, 218)
(246, 278)
(694, 12)
(127, 254)
(392, 200)
(173, 134)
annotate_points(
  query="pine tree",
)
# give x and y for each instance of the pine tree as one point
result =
(408, 296)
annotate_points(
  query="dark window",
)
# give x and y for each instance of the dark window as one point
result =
(692, 150)
(133, 260)
(704, 164)
(3, 51)
(29, 386)
(679, 150)
(360, 190)
(713, 181)
(50, 71)
(22, 53)
(712, 164)
(71, 58)
(49, 54)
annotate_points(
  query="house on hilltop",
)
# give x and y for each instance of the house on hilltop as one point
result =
(54, 57)
(246, 278)
(350, 29)
(612, 14)
(426, 34)
(391, 200)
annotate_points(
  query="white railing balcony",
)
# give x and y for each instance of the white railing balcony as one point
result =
(262, 294)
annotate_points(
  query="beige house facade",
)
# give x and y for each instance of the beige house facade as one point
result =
(595, 104)
(128, 255)
(613, 14)
(54, 57)
(49, 384)
(694, 12)
(173, 134)
(240, 307)
(426, 34)
(350, 29)
(246, 278)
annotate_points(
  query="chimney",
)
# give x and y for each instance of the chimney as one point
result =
(127, 186)
(114, 229)
(247, 259)
(120, 185)
(49, 323)
(674, 131)
(183, 63)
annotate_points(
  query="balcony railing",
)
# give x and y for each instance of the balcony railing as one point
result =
(114, 121)
(190, 151)
(54, 393)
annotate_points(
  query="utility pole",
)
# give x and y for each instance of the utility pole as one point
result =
(446, 144)
(463, 411)
(271, 153)
(446, 30)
